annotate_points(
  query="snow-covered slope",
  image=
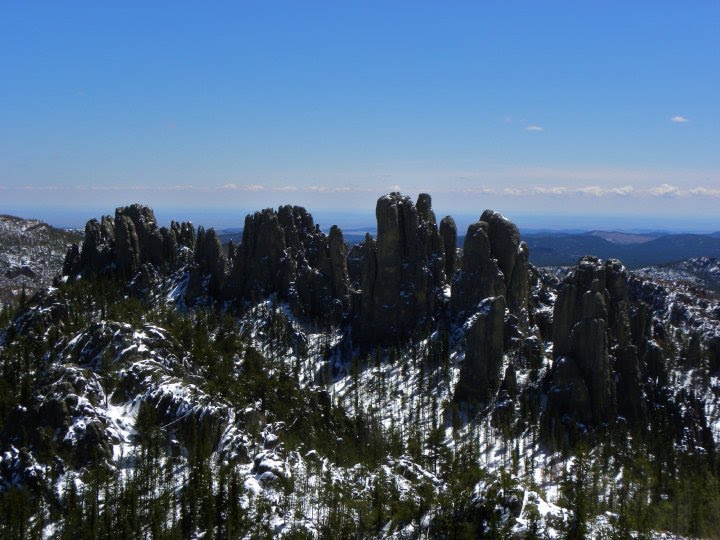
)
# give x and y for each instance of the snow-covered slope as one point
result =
(31, 254)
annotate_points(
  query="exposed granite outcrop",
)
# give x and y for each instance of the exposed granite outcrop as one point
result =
(403, 272)
(481, 370)
(448, 233)
(592, 328)
(285, 253)
(494, 262)
(123, 244)
(479, 276)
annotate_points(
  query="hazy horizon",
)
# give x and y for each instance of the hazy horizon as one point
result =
(363, 220)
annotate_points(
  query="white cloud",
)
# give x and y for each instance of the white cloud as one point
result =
(663, 189)
(679, 119)
(593, 191)
(253, 187)
(624, 190)
(703, 191)
(534, 127)
(578, 187)
(550, 190)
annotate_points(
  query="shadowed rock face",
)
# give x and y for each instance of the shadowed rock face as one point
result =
(479, 276)
(481, 371)
(592, 329)
(98, 245)
(448, 233)
(284, 252)
(403, 273)
(126, 242)
(127, 247)
(210, 261)
(495, 262)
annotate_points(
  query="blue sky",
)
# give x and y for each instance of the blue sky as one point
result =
(567, 108)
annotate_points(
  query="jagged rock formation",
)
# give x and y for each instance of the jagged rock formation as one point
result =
(403, 272)
(592, 330)
(409, 281)
(284, 252)
(494, 263)
(209, 261)
(472, 352)
(126, 242)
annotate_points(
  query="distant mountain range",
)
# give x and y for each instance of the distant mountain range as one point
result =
(635, 250)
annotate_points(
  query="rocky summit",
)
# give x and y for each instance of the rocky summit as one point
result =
(290, 385)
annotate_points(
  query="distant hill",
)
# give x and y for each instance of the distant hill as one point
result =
(634, 250)
(623, 237)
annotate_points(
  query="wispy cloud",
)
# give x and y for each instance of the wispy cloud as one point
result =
(550, 190)
(498, 186)
(252, 187)
(704, 191)
(534, 127)
(241, 187)
(663, 189)
(679, 119)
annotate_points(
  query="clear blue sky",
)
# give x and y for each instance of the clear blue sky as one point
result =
(552, 107)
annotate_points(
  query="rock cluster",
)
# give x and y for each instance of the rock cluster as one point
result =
(411, 280)
(282, 253)
(285, 253)
(124, 243)
(482, 368)
(403, 271)
(597, 368)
